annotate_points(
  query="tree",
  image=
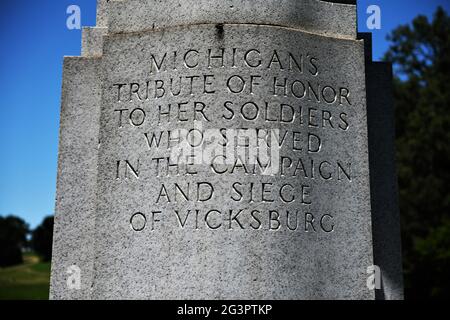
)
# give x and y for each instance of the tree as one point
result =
(42, 239)
(420, 53)
(13, 238)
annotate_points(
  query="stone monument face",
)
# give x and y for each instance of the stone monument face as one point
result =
(232, 159)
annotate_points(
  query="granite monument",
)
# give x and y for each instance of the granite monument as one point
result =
(229, 149)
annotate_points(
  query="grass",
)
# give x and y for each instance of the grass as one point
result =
(28, 281)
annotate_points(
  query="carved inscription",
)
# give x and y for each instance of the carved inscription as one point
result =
(234, 139)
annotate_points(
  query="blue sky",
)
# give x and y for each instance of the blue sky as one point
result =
(34, 39)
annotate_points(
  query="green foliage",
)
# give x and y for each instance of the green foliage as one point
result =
(433, 255)
(42, 239)
(26, 277)
(420, 53)
(13, 238)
